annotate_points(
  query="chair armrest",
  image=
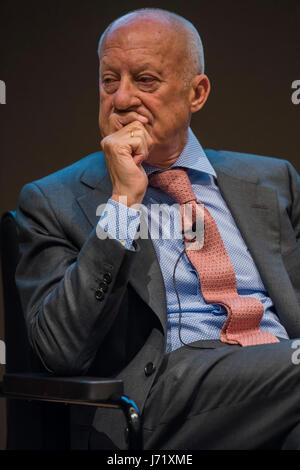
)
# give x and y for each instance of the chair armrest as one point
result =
(90, 391)
(65, 389)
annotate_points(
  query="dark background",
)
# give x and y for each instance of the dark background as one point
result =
(49, 63)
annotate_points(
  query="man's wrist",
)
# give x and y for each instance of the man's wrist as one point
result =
(127, 200)
(120, 222)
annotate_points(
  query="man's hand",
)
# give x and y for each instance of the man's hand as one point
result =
(124, 152)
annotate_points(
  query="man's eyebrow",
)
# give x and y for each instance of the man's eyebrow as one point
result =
(136, 69)
(146, 66)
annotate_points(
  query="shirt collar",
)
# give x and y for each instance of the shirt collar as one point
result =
(192, 157)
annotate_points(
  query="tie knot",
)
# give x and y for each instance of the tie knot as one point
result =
(174, 182)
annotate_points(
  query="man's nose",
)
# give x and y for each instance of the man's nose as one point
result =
(125, 96)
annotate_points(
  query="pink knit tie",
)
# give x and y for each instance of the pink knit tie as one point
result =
(216, 273)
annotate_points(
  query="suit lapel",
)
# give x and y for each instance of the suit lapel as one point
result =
(93, 201)
(146, 278)
(254, 209)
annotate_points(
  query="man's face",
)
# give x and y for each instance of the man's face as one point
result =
(140, 72)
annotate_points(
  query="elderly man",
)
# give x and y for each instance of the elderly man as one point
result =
(199, 326)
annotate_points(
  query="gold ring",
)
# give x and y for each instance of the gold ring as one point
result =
(131, 134)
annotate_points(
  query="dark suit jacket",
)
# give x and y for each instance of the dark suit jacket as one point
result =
(63, 261)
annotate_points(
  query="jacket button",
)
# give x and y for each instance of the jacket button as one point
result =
(103, 286)
(107, 277)
(99, 294)
(149, 369)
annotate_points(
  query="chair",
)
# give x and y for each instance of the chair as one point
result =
(37, 415)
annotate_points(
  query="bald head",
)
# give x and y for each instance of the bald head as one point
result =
(179, 29)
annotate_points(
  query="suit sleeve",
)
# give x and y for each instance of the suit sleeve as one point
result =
(66, 317)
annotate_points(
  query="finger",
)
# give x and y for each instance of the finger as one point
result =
(137, 130)
(131, 117)
(138, 159)
(135, 127)
(139, 146)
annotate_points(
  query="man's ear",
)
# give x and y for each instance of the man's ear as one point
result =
(200, 88)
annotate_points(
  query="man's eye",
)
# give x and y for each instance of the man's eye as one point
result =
(108, 80)
(148, 84)
(110, 84)
(146, 79)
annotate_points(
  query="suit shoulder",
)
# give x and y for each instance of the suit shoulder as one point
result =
(249, 158)
(72, 173)
(64, 184)
(93, 164)
(247, 165)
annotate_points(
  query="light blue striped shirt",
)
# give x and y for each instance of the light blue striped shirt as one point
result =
(199, 319)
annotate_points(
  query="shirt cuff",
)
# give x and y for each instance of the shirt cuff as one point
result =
(120, 222)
